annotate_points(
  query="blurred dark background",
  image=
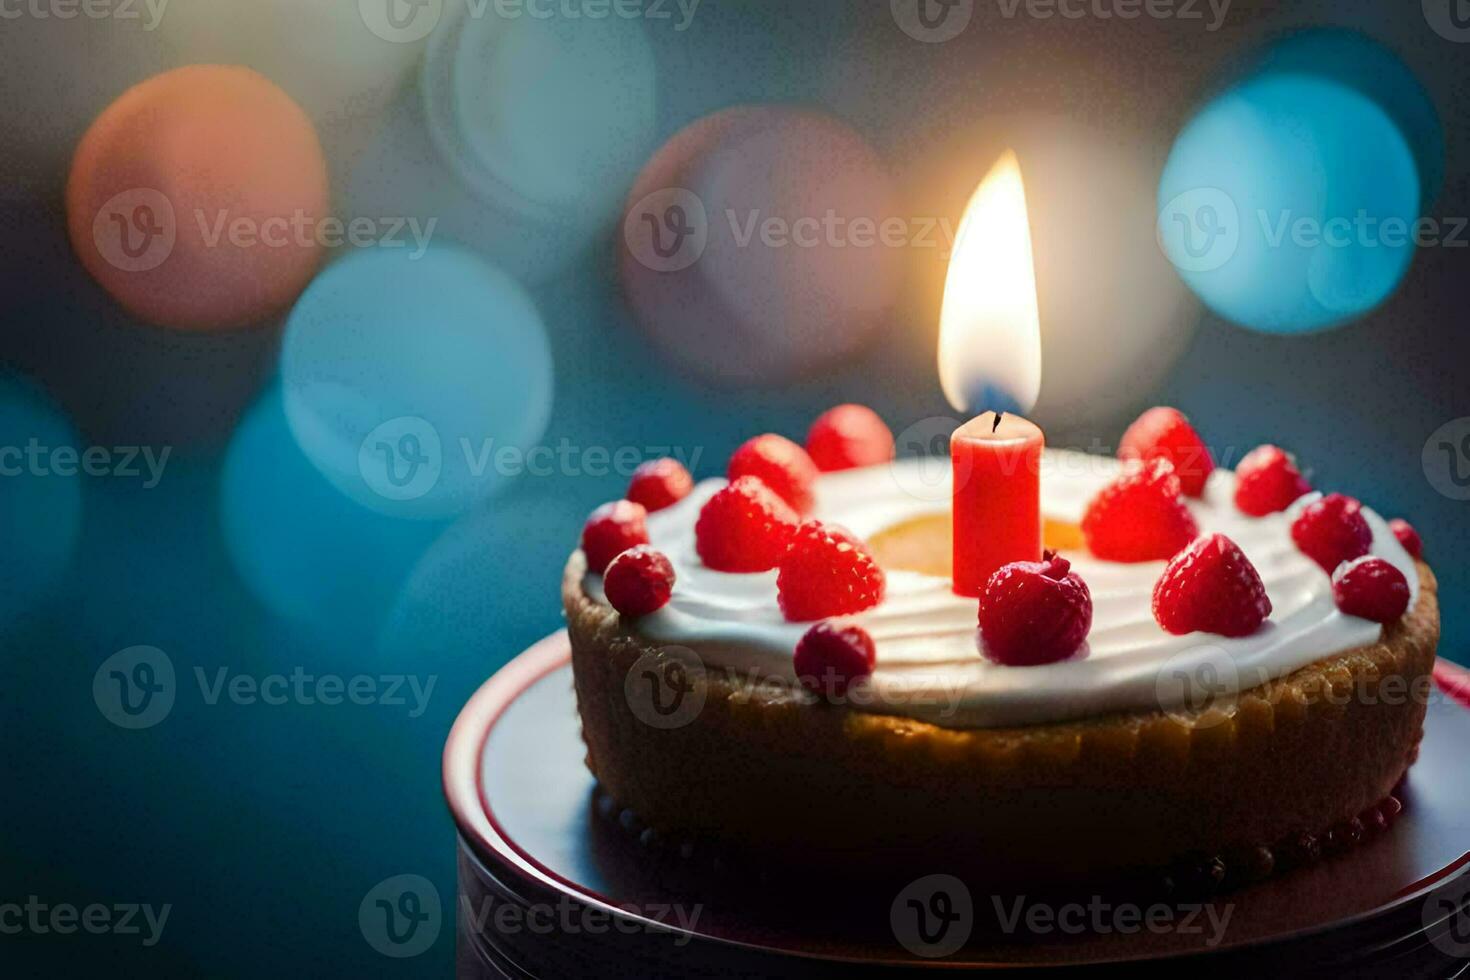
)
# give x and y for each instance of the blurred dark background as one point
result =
(264, 826)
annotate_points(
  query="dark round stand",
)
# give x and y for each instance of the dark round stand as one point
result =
(555, 882)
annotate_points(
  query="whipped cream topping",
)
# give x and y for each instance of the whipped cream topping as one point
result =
(929, 666)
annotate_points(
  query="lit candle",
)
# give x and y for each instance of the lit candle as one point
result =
(990, 359)
(997, 497)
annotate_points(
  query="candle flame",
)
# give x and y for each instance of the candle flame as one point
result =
(989, 327)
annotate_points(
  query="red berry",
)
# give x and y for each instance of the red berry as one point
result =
(1164, 433)
(1139, 516)
(781, 464)
(1034, 612)
(612, 529)
(638, 581)
(849, 436)
(1267, 480)
(1408, 537)
(829, 658)
(1370, 588)
(1211, 587)
(827, 572)
(744, 528)
(1332, 530)
(660, 483)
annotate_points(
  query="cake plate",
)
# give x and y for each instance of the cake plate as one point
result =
(555, 881)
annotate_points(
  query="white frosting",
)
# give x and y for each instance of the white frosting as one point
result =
(928, 663)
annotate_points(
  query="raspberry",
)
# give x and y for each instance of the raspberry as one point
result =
(1139, 516)
(1370, 588)
(638, 581)
(1211, 587)
(744, 528)
(781, 464)
(1164, 433)
(827, 572)
(829, 658)
(660, 483)
(1331, 531)
(1408, 537)
(849, 436)
(612, 529)
(1034, 612)
(1267, 481)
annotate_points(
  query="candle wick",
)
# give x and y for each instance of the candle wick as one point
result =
(998, 417)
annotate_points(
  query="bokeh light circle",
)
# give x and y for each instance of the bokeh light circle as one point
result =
(334, 57)
(458, 604)
(196, 199)
(1360, 63)
(310, 554)
(753, 247)
(40, 497)
(1326, 193)
(404, 378)
(546, 116)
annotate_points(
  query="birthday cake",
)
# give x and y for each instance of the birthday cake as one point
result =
(1214, 671)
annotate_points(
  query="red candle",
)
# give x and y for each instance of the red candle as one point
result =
(996, 461)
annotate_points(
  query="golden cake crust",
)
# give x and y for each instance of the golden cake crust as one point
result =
(762, 765)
